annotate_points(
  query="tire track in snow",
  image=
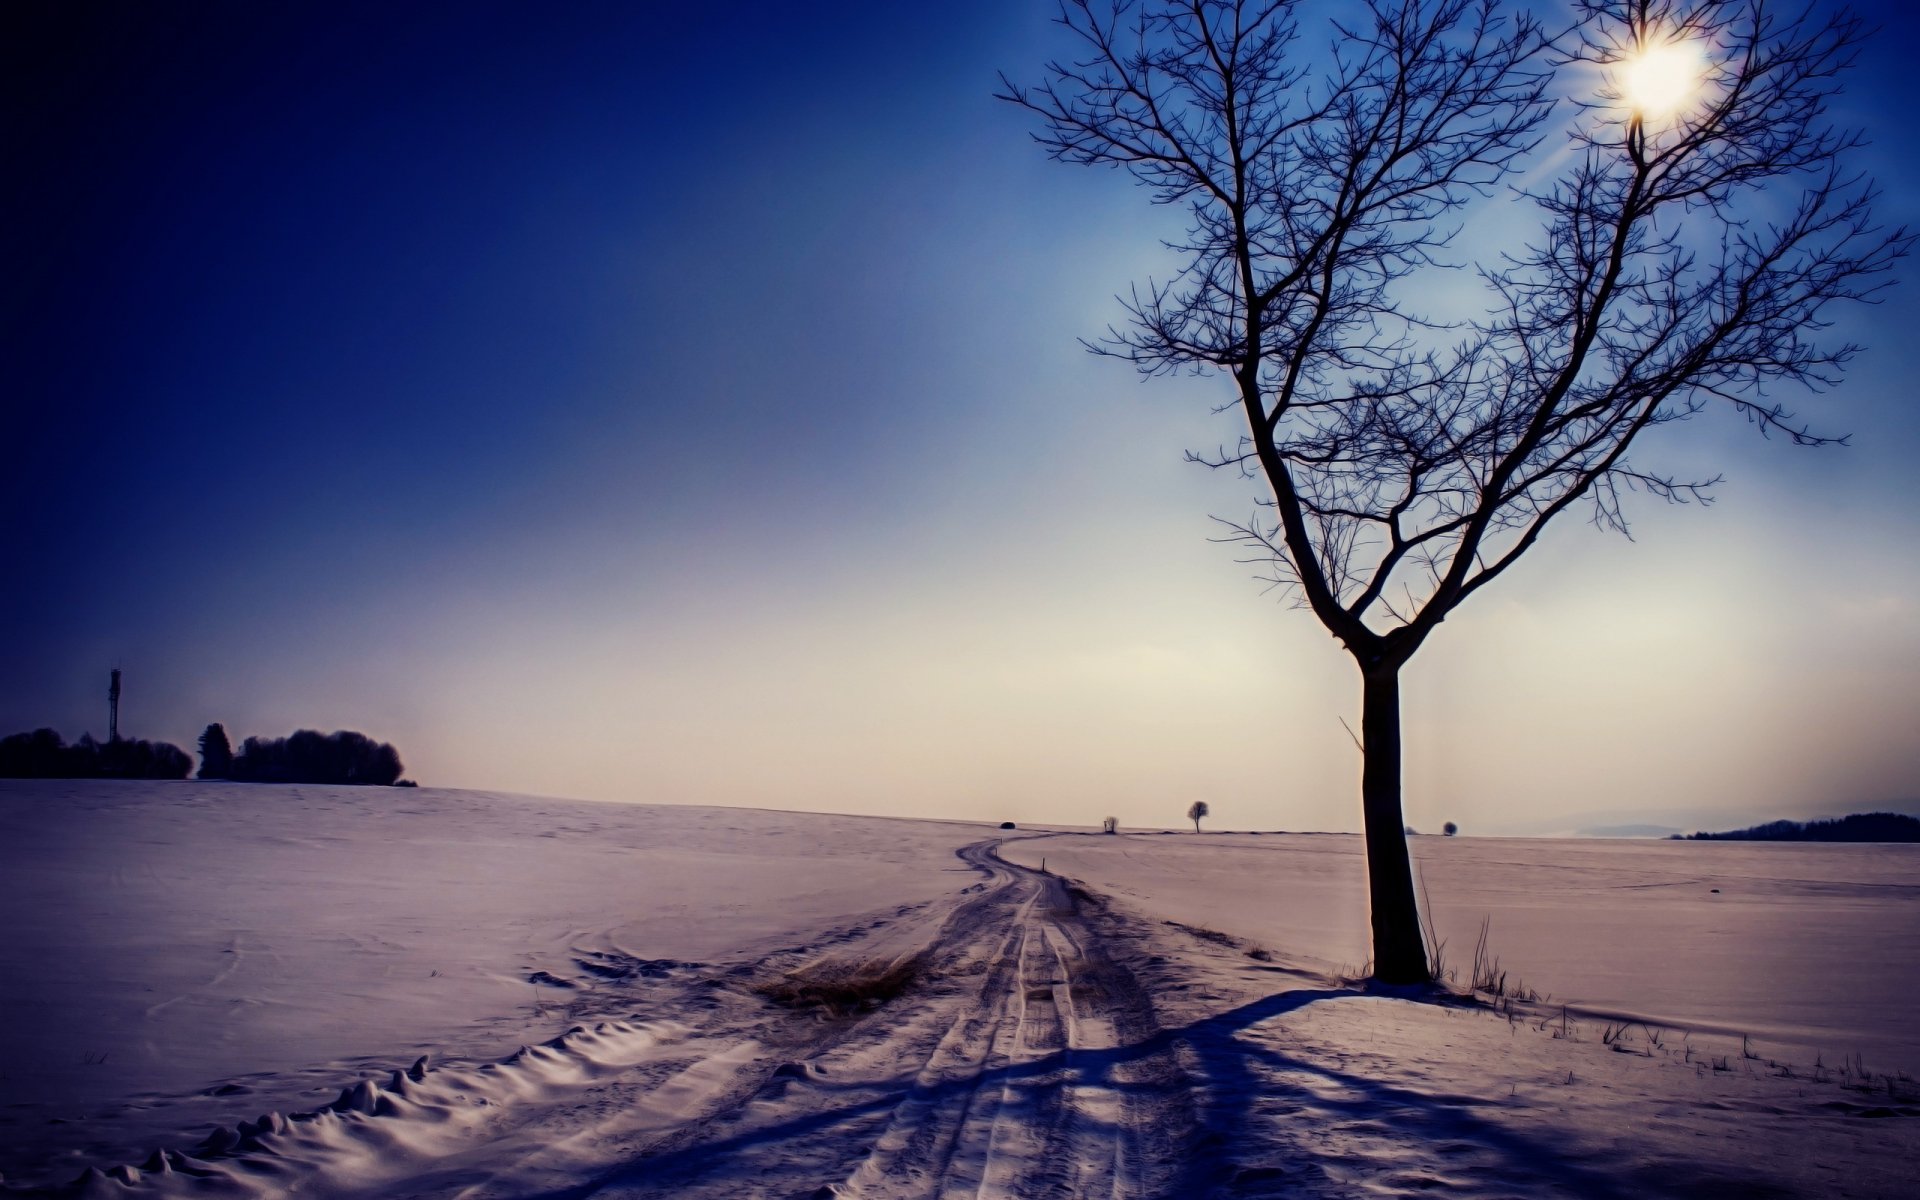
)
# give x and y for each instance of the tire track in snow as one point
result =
(1022, 1063)
(1038, 1088)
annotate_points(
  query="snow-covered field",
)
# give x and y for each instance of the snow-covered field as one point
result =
(1813, 951)
(167, 939)
(228, 990)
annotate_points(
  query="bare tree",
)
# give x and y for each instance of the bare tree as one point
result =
(1196, 811)
(1691, 226)
(1110, 825)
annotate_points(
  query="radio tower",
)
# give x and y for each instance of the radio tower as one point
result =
(113, 707)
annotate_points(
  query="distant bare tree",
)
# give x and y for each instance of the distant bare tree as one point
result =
(1692, 226)
(1195, 812)
(1110, 825)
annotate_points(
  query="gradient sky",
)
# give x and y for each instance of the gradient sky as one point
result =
(681, 403)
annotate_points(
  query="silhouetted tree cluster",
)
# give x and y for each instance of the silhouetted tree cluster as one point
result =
(1860, 827)
(43, 754)
(216, 753)
(306, 757)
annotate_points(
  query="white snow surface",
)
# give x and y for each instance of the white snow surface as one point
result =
(256, 991)
(167, 938)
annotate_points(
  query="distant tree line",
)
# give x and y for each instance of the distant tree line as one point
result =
(1860, 827)
(308, 756)
(43, 754)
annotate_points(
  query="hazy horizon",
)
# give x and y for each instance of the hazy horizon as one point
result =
(686, 408)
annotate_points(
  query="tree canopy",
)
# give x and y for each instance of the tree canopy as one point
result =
(1672, 226)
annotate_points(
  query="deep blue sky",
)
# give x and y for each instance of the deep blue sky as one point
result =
(680, 402)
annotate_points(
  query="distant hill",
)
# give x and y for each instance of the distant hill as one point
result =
(1860, 827)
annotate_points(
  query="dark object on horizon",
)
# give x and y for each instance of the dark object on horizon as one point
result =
(216, 753)
(309, 756)
(1449, 829)
(113, 707)
(1006, 825)
(1110, 825)
(1860, 827)
(1659, 262)
(1197, 810)
(43, 754)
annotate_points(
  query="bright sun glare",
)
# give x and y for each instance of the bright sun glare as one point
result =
(1660, 80)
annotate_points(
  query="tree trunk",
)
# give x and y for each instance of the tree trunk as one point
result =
(1399, 952)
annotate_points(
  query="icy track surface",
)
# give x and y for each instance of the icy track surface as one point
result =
(980, 1028)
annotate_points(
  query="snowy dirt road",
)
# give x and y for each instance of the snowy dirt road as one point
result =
(987, 1046)
(1016, 1069)
(1021, 1037)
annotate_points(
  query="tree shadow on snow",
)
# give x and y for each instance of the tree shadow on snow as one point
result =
(1261, 1125)
(1274, 1112)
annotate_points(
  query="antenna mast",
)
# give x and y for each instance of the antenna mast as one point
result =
(113, 707)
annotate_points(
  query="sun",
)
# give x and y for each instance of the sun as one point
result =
(1660, 80)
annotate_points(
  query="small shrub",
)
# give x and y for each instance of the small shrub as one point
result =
(1435, 944)
(1488, 976)
(841, 994)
